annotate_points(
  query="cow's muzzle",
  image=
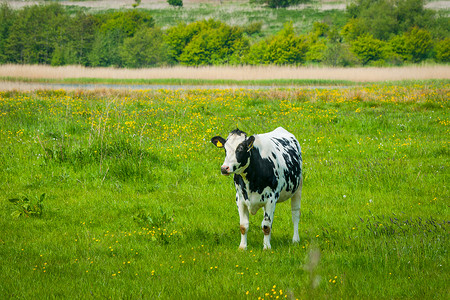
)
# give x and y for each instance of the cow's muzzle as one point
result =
(225, 170)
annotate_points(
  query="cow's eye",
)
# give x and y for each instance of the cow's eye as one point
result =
(240, 148)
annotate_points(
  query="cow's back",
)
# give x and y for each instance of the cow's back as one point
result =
(282, 150)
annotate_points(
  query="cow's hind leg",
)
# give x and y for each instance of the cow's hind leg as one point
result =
(266, 225)
(295, 211)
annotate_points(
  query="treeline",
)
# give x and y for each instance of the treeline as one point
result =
(380, 32)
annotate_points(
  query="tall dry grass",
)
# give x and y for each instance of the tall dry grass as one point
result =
(231, 73)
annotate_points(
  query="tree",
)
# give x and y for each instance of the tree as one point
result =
(7, 16)
(385, 18)
(442, 49)
(283, 48)
(145, 49)
(368, 48)
(114, 28)
(35, 33)
(419, 44)
(206, 43)
(175, 3)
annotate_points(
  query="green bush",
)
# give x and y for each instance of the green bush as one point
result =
(7, 17)
(125, 22)
(367, 48)
(206, 43)
(352, 30)
(114, 28)
(316, 52)
(320, 29)
(281, 3)
(145, 49)
(385, 18)
(253, 28)
(442, 49)
(419, 44)
(179, 36)
(398, 47)
(175, 3)
(339, 54)
(34, 34)
(283, 48)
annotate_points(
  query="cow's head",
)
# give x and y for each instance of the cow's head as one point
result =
(237, 150)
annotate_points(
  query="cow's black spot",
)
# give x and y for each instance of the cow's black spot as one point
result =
(240, 182)
(261, 172)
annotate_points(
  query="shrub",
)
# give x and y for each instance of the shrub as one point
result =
(442, 49)
(206, 43)
(26, 206)
(339, 54)
(175, 3)
(283, 48)
(352, 30)
(7, 16)
(281, 3)
(384, 18)
(253, 28)
(145, 49)
(320, 29)
(113, 30)
(367, 48)
(316, 52)
(398, 48)
(419, 44)
(34, 33)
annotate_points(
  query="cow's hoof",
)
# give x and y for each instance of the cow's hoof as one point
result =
(267, 247)
(242, 248)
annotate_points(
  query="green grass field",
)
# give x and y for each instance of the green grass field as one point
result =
(119, 195)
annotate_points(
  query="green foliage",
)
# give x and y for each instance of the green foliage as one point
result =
(136, 3)
(367, 48)
(206, 43)
(316, 52)
(282, 3)
(26, 206)
(56, 35)
(284, 48)
(114, 28)
(413, 46)
(339, 54)
(7, 16)
(320, 29)
(352, 30)
(145, 49)
(158, 219)
(253, 28)
(443, 50)
(126, 23)
(385, 18)
(398, 49)
(377, 18)
(175, 3)
(419, 44)
(34, 34)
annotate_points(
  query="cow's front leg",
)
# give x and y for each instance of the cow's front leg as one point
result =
(243, 221)
(266, 224)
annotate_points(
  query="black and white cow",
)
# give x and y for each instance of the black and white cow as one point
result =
(267, 169)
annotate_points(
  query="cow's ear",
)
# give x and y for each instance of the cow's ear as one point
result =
(250, 142)
(218, 141)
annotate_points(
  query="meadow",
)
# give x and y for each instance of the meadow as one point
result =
(118, 194)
